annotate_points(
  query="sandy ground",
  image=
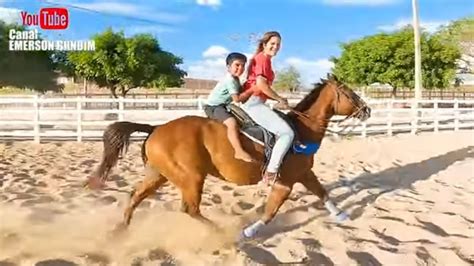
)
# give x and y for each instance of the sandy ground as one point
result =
(411, 201)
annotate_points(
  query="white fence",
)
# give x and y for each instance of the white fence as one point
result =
(86, 118)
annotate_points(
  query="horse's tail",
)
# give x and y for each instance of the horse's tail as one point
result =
(116, 139)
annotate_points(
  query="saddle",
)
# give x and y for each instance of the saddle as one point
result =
(266, 138)
(253, 130)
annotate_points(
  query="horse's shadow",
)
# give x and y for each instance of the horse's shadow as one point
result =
(398, 178)
(261, 256)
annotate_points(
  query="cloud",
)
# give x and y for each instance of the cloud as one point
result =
(310, 70)
(10, 15)
(152, 29)
(211, 3)
(212, 66)
(430, 26)
(215, 51)
(359, 2)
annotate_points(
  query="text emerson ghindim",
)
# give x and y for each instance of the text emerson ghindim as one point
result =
(28, 40)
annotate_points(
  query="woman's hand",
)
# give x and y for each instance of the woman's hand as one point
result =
(283, 103)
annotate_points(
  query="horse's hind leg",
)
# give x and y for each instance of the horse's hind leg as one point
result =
(153, 180)
(191, 198)
(311, 182)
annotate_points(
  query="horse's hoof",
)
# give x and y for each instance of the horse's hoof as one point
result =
(242, 239)
(94, 183)
(341, 217)
(118, 230)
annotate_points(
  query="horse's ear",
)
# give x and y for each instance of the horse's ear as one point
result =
(333, 78)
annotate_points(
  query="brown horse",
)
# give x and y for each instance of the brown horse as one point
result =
(185, 150)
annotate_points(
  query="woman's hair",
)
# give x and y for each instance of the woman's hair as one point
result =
(266, 37)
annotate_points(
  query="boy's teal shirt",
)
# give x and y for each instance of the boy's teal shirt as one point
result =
(221, 94)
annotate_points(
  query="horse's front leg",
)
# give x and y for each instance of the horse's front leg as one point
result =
(311, 182)
(277, 197)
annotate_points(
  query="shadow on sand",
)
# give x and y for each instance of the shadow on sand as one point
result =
(395, 178)
(399, 178)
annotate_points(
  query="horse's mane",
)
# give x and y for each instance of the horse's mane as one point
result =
(311, 97)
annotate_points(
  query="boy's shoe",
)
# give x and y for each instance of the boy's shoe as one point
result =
(269, 178)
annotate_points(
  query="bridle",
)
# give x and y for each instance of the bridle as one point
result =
(355, 100)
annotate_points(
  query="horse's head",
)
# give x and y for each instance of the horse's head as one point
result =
(332, 97)
(346, 102)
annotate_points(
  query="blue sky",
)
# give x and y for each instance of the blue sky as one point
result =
(203, 31)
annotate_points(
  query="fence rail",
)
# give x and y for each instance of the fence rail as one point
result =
(440, 94)
(426, 94)
(72, 118)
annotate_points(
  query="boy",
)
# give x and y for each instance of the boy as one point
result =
(225, 92)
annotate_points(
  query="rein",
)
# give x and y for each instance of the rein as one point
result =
(308, 118)
(354, 114)
(300, 114)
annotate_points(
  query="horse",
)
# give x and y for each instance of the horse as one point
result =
(185, 150)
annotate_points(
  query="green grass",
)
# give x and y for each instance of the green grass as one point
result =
(10, 90)
(15, 90)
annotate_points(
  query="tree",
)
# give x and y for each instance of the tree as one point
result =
(25, 69)
(389, 58)
(461, 33)
(287, 79)
(122, 64)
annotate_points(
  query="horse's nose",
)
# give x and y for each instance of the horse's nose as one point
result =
(366, 113)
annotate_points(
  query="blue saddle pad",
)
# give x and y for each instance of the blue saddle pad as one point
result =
(307, 148)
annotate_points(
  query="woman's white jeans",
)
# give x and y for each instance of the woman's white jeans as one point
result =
(267, 118)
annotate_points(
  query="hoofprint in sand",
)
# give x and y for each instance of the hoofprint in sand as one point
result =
(410, 199)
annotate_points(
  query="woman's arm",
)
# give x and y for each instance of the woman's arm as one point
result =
(243, 97)
(262, 85)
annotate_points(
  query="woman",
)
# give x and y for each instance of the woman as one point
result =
(259, 81)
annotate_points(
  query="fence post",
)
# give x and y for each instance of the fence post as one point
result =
(79, 119)
(414, 121)
(390, 118)
(200, 104)
(121, 109)
(36, 119)
(456, 115)
(336, 129)
(364, 129)
(161, 103)
(436, 114)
